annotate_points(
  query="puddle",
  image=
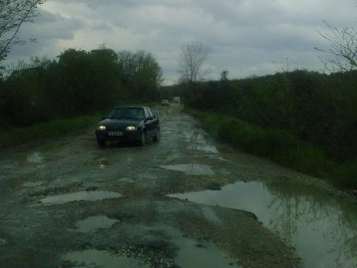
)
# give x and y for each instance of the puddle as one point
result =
(79, 196)
(204, 148)
(322, 229)
(95, 223)
(190, 169)
(95, 258)
(36, 157)
(2, 242)
(198, 137)
(31, 184)
(192, 254)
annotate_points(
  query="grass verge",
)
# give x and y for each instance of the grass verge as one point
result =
(279, 146)
(55, 128)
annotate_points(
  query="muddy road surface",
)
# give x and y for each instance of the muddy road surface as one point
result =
(68, 203)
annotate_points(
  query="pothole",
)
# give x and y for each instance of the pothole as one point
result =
(190, 169)
(100, 258)
(79, 196)
(31, 184)
(202, 147)
(95, 223)
(35, 157)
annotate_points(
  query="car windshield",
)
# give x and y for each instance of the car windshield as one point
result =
(127, 112)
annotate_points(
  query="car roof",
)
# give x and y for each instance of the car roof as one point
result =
(129, 106)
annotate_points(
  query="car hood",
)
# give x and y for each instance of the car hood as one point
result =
(112, 122)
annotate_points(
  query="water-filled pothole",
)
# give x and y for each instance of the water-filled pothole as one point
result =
(95, 223)
(190, 169)
(202, 147)
(31, 184)
(321, 228)
(36, 157)
(79, 196)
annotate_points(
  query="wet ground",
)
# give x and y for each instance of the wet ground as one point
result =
(186, 201)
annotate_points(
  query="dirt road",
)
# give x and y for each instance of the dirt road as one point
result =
(69, 203)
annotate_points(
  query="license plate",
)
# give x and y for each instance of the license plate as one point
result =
(115, 133)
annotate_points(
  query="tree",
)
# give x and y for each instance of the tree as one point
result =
(192, 57)
(343, 47)
(141, 74)
(13, 13)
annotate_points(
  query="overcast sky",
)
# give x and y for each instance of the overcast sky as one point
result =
(246, 37)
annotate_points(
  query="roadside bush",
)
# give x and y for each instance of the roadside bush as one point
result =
(55, 128)
(307, 159)
(345, 175)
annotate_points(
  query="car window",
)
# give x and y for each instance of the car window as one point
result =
(147, 113)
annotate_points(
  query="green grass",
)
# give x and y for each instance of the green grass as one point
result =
(279, 146)
(55, 128)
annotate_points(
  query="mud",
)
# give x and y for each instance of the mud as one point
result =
(68, 203)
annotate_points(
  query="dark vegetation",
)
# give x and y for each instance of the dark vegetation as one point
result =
(305, 120)
(77, 83)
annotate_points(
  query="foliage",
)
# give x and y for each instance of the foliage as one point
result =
(343, 48)
(279, 146)
(55, 128)
(301, 119)
(314, 107)
(141, 73)
(13, 13)
(77, 83)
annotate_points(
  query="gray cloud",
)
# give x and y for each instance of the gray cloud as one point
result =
(246, 37)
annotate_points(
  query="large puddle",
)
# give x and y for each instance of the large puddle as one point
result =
(322, 229)
(95, 223)
(79, 196)
(190, 169)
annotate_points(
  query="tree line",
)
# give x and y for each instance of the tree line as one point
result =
(317, 108)
(78, 82)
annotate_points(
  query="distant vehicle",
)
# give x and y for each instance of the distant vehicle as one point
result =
(177, 100)
(165, 103)
(128, 123)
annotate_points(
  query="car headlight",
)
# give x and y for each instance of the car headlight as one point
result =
(130, 128)
(102, 127)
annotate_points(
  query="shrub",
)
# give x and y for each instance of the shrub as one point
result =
(345, 175)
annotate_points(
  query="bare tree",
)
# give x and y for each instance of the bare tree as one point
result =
(192, 57)
(343, 48)
(13, 13)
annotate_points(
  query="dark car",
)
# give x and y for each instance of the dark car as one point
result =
(129, 123)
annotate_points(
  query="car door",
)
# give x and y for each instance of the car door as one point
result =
(150, 123)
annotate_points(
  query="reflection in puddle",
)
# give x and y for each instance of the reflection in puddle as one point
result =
(198, 137)
(2, 242)
(95, 258)
(200, 147)
(95, 223)
(190, 169)
(323, 230)
(31, 184)
(36, 157)
(79, 196)
(208, 256)
(103, 163)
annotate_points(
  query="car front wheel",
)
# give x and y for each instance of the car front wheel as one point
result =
(142, 140)
(101, 142)
(157, 136)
